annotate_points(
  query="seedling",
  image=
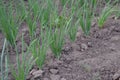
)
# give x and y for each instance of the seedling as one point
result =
(24, 65)
(20, 10)
(86, 14)
(107, 11)
(57, 35)
(32, 23)
(4, 57)
(57, 42)
(8, 25)
(73, 30)
(39, 49)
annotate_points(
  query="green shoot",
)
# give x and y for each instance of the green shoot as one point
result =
(73, 30)
(3, 76)
(86, 14)
(57, 42)
(24, 65)
(8, 25)
(21, 10)
(39, 49)
(34, 7)
(32, 23)
(46, 8)
(107, 11)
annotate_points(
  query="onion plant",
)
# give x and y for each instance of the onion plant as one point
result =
(34, 7)
(4, 59)
(86, 14)
(32, 24)
(59, 24)
(20, 10)
(40, 47)
(63, 2)
(73, 27)
(8, 24)
(106, 12)
(48, 7)
(57, 41)
(117, 15)
(24, 65)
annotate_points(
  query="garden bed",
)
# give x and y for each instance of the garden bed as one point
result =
(92, 57)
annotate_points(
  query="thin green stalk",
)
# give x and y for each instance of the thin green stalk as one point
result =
(107, 11)
(40, 47)
(57, 35)
(73, 30)
(6, 67)
(2, 58)
(86, 14)
(23, 66)
(8, 25)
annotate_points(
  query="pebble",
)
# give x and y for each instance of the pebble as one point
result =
(89, 44)
(29, 77)
(52, 64)
(46, 79)
(112, 47)
(55, 77)
(32, 71)
(93, 23)
(37, 74)
(84, 46)
(78, 34)
(63, 79)
(116, 76)
(68, 48)
(54, 71)
(115, 38)
(76, 47)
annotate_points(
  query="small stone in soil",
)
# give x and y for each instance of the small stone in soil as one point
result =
(63, 79)
(55, 77)
(37, 74)
(76, 47)
(84, 46)
(89, 44)
(46, 79)
(115, 38)
(54, 71)
(112, 47)
(116, 76)
(32, 71)
(52, 64)
(29, 77)
(78, 34)
(66, 49)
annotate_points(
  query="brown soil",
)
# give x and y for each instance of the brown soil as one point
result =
(95, 57)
